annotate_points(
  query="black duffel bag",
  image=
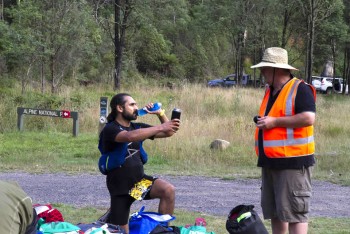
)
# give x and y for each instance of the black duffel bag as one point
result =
(243, 219)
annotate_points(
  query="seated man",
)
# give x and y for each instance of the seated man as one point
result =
(16, 210)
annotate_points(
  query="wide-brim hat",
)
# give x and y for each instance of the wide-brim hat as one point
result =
(275, 57)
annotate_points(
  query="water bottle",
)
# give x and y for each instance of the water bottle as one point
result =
(156, 106)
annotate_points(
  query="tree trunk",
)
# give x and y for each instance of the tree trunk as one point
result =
(119, 37)
(2, 10)
(42, 77)
(284, 30)
(310, 51)
(238, 62)
(52, 69)
(117, 45)
(346, 72)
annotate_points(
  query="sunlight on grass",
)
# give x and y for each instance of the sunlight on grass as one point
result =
(47, 144)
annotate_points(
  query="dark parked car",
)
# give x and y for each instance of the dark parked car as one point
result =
(228, 81)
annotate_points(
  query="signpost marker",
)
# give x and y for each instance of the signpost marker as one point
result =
(21, 111)
(103, 113)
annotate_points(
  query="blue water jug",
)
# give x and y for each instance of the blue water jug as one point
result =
(156, 106)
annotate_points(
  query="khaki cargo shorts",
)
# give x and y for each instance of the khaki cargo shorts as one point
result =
(285, 194)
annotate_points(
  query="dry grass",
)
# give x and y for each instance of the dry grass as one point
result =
(207, 114)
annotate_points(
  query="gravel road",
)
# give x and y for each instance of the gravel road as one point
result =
(206, 195)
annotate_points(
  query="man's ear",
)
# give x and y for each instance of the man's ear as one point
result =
(120, 108)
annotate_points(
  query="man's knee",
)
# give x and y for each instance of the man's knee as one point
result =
(170, 190)
(167, 190)
(163, 189)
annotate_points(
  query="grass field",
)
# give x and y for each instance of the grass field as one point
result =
(47, 144)
(214, 223)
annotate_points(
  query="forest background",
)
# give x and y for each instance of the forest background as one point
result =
(54, 43)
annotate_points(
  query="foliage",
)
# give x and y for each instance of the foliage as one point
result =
(333, 34)
(154, 52)
(48, 37)
(65, 42)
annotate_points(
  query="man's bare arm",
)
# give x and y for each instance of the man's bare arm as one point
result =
(166, 129)
(303, 119)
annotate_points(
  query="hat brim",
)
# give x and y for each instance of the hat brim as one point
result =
(277, 65)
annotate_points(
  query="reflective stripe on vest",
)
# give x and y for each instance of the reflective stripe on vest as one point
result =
(285, 142)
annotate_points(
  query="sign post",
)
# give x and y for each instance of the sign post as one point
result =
(103, 109)
(51, 113)
(103, 113)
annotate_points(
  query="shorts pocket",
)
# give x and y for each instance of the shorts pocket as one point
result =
(301, 201)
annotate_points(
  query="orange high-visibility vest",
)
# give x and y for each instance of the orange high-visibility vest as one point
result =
(285, 142)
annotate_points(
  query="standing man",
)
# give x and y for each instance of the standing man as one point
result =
(125, 138)
(284, 143)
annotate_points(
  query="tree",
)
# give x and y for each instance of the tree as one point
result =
(315, 12)
(168, 21)
(153, 53)
(20, 42)
(233, 18)
(346, 64)
(122, 11)
(331, 38)
(47, 37)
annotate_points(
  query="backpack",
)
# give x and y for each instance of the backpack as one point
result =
(144, 222)
(116, 158)
(160, 229)
(243, 219)
(101, 227)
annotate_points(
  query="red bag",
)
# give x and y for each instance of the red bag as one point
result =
(48, 213)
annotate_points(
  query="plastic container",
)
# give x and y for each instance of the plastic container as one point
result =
(156, 106)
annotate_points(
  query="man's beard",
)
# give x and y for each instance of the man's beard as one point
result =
(129, 117)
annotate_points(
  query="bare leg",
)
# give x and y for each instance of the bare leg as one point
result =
(278, 227)
(126, 228)
(166, 193)
(298, 228)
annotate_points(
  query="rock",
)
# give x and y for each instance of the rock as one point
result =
(219, 144)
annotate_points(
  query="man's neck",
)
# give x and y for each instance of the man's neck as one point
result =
(122, 121)
(279, 83)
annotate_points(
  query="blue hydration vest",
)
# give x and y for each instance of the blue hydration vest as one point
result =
(116, 158)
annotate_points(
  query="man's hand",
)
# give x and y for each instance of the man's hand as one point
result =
(150, 106)
(168, 128)
(300, 120)
(266, 122)
(172, 125)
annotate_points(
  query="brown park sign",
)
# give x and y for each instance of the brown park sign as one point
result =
(21, 111)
